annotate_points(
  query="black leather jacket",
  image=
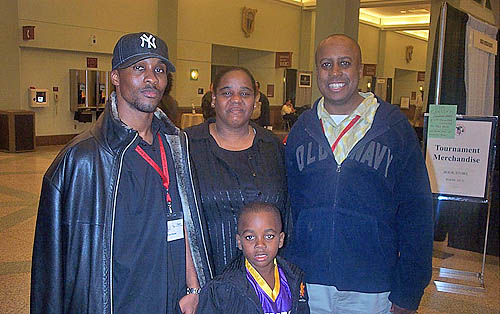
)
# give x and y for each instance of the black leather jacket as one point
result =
(72, 255)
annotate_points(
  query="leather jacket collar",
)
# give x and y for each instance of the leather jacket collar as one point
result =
(114, 135)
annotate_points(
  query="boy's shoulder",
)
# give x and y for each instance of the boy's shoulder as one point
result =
(295, 277)
(289, 268)
(234, 273)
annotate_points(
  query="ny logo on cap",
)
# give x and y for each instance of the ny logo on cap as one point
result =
(151, 40)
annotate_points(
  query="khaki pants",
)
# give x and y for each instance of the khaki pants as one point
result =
(328, 300)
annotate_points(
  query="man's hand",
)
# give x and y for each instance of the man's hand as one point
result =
(399, 310)
(189, 303)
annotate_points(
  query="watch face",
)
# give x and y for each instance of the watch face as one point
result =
(193, 290)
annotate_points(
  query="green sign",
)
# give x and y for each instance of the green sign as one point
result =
(442, 121)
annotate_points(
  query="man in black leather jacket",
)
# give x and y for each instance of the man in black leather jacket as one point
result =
(114, 233)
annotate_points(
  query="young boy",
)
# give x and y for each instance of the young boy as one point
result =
(259, 281)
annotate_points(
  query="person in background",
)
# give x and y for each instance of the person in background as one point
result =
(206, 105)
(360, 195)
(261, 102)
(288, 112)
(235, 161)
(168, 104)
(259, 276)
(117, 219)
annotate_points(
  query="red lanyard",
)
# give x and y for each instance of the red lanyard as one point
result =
(162, 172)
(344, 131)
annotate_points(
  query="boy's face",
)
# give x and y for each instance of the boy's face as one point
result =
(259, 237)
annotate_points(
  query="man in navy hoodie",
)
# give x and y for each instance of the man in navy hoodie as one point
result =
(360, 195)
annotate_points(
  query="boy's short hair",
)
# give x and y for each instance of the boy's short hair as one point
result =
(257, 207)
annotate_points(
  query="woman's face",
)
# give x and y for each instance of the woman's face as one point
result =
(234, 99)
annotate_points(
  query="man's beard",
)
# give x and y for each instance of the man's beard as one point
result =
(147, 108)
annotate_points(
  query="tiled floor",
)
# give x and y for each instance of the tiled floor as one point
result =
(20, 181)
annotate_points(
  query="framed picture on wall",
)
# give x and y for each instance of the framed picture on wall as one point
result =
(405, 102)
(270, 90)
(305, 80)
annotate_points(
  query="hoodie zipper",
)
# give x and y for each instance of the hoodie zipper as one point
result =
(337, 179)
(115, 195)
(337, 174)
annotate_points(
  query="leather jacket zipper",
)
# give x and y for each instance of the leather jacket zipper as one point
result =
(115, 195)
(197, 208)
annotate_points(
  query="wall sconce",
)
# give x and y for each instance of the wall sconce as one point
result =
(28, 32)
(193, 74)
(421, 88)
(369, 85)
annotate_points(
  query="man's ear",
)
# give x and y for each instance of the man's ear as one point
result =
(238, 241)
(282, 239)
(115, 77)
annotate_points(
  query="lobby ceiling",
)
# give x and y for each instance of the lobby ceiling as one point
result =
(411, 17)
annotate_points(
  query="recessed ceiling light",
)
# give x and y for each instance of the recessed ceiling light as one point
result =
(418, 11)
(402, 11)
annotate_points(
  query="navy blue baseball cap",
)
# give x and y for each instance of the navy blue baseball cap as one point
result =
(135, 47)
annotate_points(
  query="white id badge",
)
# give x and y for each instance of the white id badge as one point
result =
(175, 229)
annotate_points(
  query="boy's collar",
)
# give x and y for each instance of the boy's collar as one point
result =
(273, 294)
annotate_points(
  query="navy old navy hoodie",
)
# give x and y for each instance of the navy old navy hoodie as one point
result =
(364, 225)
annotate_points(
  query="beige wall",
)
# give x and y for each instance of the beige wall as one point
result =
(63, 30)
(368, 39)
(395, 54)
(45, 68)
(62, 42)
(9, 62)
(167, 30)
(68, 25)
(261, 63)
(203, 23)
(405, 82)
(306, 57)
(192, 55)
(276, 25)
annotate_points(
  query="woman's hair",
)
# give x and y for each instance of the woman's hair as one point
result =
(226, 70)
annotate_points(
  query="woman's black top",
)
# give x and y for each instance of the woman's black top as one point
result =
(227, 180)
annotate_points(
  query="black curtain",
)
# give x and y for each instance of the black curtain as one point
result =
(453, 73)
(493, 247)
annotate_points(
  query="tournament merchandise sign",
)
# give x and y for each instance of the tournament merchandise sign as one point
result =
(459, 166)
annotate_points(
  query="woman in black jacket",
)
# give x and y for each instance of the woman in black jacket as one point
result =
(235, 162)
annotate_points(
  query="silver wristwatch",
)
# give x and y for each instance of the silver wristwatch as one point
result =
(193, 290)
